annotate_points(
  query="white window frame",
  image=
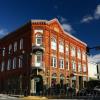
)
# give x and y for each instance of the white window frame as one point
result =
(14, 63)
(53, 43)
(84, 56)
(10, 48)
(9, 64)
(3, 52)
(61, 63)
(67, 49)
(84, 68)
(21, 43)
(2, 66)
(79, 54)
(39, 36)
(73, 51)
(74, 66)
(54, 61)
(15, 46)
(61, 46)
(20, 61)
(79, 67)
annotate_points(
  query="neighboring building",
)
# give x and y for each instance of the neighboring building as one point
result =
(98, 70)
(41, 53)
(92, 70)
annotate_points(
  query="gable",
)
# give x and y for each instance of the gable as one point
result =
(55, 25)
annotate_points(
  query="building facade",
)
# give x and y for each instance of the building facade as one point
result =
(92, 70)
(39, 54)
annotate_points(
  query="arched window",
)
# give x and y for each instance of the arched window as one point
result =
(21, 43)
(20, 61)
(53, 43)
(38, 39)
(15, 46)
(61, 46)
(9, 64)
(10, 48)
(79, 53)
(2, 66)
(14, 63)
(73, 51)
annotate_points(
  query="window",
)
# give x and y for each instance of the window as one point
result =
(67, 49)
(2, 66)
(39, 58)
(83, 55)
(3, 52)
(61, 47)
(61, 63)
(10, 48)
(14, 63)
(79, 67)
(20, 61)
(53, 43)
(53, 61)
(9, 64)
(38, 39)
(67, 64)
(74, 66)
(84, 68)
(21, 44)
(79, 53)
(15, 46)
(73, 51)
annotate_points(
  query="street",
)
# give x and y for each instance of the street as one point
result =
(6, 97)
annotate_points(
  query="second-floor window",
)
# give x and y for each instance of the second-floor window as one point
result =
(2, 66)
(78, 54)
(84, 68)
(20, 61)
(83, 55)
(3, 52)
(10, 48)
(21, 43)
(9, 64)
(14, 63)
(61, 62)
(79, 67)
(15, 46)
(38, 39)
(73, 51)
(53, 61)
(61, 46)
(53, 43)
(74, 66)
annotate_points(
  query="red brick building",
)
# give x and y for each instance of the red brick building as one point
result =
(41, 53)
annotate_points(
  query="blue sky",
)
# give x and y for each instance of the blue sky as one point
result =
(80, 17)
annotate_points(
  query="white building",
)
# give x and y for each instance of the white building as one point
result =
(92, 70)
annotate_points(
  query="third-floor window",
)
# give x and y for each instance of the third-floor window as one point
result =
(21, 43)
(53, 43)
(15, 46)
(38, 39)
(10, 48)
(61, 46)
(78, 54)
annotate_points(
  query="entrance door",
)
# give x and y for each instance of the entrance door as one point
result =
(39, 84)
(80, 82)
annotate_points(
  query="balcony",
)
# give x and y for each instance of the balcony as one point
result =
(36, 48)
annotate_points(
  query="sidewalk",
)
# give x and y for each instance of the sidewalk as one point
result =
(34, 98)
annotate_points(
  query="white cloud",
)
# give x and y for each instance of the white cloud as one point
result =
(94, 16)
(97, 12)
(66, 26)
(3, 32)
(87, 19)
(95, 58)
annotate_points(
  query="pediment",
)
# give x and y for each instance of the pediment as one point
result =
(55, 25)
